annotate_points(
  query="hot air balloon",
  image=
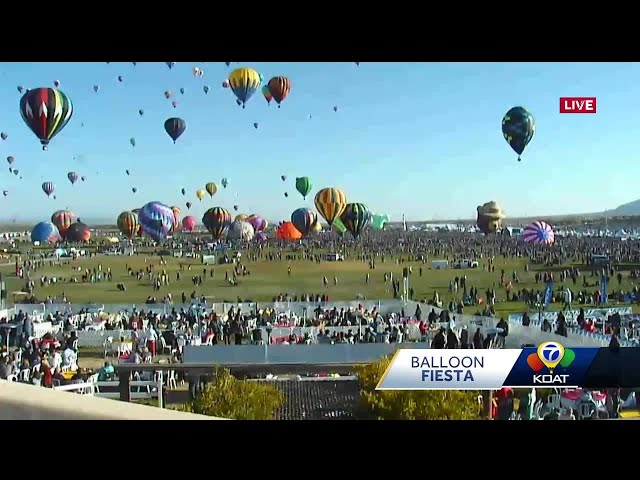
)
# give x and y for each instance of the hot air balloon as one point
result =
(257, 222)
(188, 204)
(267, 94)
(518, 128)
(539, 233)
(176, 219)
(490, 217)
(11, 159)
(303, 186)
(96, 88)
(141, 112)
(261, 237)
(197, 72)
(134, 189)
(241, 217)
(73, 177)
(20, 89)
(303, 219)
(286, 195)
(227, 63)
(287, 231)
(244, 82)
(189, 223)
(132, 141)
(182, 91)
(136, 211)
(170, 64)
(283, 178)
(200, 194)
(128, 224)
(242, 231)
(356, 217)
(167, 94)
(236, 207)
(338, 227)
(206, 89)
(16, 172)
(45, 232)
(174, 104)
(4, 136)
(128, 172)
(156, 220)
(82, 178)
(335, 108)
(225, 84)
(78, 232)
(183, 191)
(5, 192)
(63, 219)
(280, 87)
(56, 83)
(224, 182)
(46, 111)
(330, 203)
(175, 127)
(256, 125)
(316, 227)
(48, 188)
(378, 221)
(217, 220)
(211, 188)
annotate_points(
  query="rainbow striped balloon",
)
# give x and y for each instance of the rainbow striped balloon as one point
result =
(539, 233)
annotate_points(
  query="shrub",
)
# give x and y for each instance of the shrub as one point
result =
(413, 405)
(228, 397)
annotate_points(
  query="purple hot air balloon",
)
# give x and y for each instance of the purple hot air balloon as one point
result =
(73, 177)
(257, 222)
(47, 187)
(156, 220)
(261, 237)
(539, 233)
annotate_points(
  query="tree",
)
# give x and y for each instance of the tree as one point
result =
(413, 405)
(228, 397)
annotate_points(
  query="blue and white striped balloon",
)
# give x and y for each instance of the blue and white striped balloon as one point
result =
(156, 220)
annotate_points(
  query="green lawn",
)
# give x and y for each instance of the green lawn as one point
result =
(269, 278)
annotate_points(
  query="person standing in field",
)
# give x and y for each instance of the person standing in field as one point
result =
(289, 270)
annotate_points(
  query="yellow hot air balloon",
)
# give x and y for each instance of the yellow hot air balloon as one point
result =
(330, 203)
(316, 227)
(201, 194)
(241, 217)
(211, 188)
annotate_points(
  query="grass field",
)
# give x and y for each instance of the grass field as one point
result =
(270, 278)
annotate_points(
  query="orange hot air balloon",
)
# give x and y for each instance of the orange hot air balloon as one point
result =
(280, 87)
(63, 219)
(286, 231)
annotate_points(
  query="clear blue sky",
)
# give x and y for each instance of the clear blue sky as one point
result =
(417, 138)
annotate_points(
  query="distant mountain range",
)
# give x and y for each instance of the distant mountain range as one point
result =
(626, 210)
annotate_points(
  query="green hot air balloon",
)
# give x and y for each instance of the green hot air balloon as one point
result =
(378, 221)
(339, 227)
(356, 217)
(304, 186)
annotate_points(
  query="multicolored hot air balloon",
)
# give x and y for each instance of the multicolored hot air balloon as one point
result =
(287, 231)
(201, 194)
(304, 219)
(304, 186)
(73, 177)
(518, 128)
(48, 188)
(63, 219)
(156, 220)
(217, 220)
(45, 232)
(356, 217)
(267, 94)
(175, 127)
(280, 87)
(211, 188)
(539, 233)
(242, 231)
(128, 224)
(46, 111)
(330, 203)
(176, 219)
(244, 82)
(78, 232)
(189, 223)
(490, 217)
